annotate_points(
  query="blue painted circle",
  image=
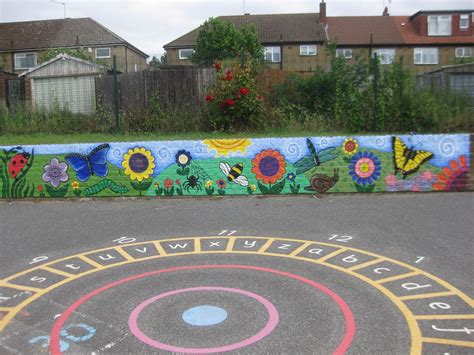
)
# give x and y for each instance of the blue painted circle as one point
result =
(203, 316)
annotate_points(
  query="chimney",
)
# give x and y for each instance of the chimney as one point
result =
(385, 12)
(322, 12)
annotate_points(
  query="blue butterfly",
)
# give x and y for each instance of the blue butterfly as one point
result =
(94, 163)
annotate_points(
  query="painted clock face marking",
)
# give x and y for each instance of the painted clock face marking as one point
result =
(438, 317)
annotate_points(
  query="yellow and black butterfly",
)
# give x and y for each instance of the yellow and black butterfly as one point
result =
(407, 160)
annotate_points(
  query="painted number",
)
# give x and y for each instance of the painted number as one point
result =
(38, 259)
(124, 240)
(226, 232)
(64, 345)
(340, 238)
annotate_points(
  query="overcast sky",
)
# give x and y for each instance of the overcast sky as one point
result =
(149, 24)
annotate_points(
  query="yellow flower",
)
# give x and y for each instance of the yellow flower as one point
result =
(138, 164)
(209, 184)
(75, 185)
(350, 146)
(253, 187)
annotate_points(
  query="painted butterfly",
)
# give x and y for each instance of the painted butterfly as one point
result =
(94, 163)
(407, 160)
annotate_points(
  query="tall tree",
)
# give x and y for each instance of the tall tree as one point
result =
(219, 40)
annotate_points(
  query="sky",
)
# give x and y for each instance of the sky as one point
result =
(150, 24)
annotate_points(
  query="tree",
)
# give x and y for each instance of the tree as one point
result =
(155, 62)
(219, 40)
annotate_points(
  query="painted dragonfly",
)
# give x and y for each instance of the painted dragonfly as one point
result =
(314, 159)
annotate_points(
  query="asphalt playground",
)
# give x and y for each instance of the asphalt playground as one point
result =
(355, 274)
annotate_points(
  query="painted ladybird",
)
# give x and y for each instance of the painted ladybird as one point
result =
(17, 163)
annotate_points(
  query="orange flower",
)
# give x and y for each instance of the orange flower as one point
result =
(454, 177)
(269, 166)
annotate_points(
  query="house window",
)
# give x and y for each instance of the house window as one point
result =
(439, 25)
(185, 53)
(344, 53)
(426, 55)
(272, 54)
(464, 22)
(385, 55)
(25, 60)
(102, 53)
(308, 49)
(463, 52)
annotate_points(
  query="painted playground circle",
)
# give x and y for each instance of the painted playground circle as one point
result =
(202, 314)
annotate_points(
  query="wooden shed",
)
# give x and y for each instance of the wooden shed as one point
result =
(65, 81)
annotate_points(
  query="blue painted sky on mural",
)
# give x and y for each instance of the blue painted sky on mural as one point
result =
(444, 147)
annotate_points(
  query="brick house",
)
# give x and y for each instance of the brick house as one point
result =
(426, 40)
(21, 43)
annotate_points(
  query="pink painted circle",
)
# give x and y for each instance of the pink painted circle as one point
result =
(364, 167)
(346, 311)
(267, 329)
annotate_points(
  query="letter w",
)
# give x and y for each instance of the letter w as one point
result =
(178, 246)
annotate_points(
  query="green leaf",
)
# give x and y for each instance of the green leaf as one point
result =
(182, 171)
(56, 192)
(169, 192)
(278, 187)
(145, 185)
(263, 189)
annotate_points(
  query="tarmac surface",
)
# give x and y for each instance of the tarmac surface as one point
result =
(362, 274)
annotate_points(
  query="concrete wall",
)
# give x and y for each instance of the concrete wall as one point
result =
(255, 167)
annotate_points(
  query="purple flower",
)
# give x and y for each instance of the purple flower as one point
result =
(55, 172)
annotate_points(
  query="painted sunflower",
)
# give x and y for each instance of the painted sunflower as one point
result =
(138, 164)
(453, 178)
(269, 166)
(349, 147)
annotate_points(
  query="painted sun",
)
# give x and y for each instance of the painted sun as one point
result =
(224, 146)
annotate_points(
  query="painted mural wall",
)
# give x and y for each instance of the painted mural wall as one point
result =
(312, 165)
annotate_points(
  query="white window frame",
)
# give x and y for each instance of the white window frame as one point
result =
(273, 51)
(461, 18)
(463, 52)
(308, 49)
(345, 53)
(438, 19)
(418, 52)
(385, 55)
(23, 55)
(185, 57)
(102, 56)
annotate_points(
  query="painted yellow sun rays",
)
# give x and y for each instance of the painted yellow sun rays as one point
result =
(225, 146)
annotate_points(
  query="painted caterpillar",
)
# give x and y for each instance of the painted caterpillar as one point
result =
(106, 183)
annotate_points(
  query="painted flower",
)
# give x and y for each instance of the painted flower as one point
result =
(349, 147)
(453, 177)
(138, 164)
(168, 183)
(40, 188)
(178, 182)
(244, 91)
(221, 183)
(291, 177)
(269, 166)
(365, 168)
(55, 172)
(209, 184)
(156, 185)
(253, 187)
(209, 98)
(183, 158)
(75, 185)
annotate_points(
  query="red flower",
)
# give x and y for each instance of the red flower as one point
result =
(228, 75)
(221, 183)
(230, 102)
(259, 97)
(178, 182)
(244, 91)
(209, 98)
(168, 183)
(218, 66)
(40, 188)
(222, 104)
(238, 96)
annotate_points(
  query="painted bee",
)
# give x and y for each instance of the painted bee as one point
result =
(234, 173)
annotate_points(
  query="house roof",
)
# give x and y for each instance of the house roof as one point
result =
(35, 35)
(408, 31)
(286, 28)
(357, 30)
